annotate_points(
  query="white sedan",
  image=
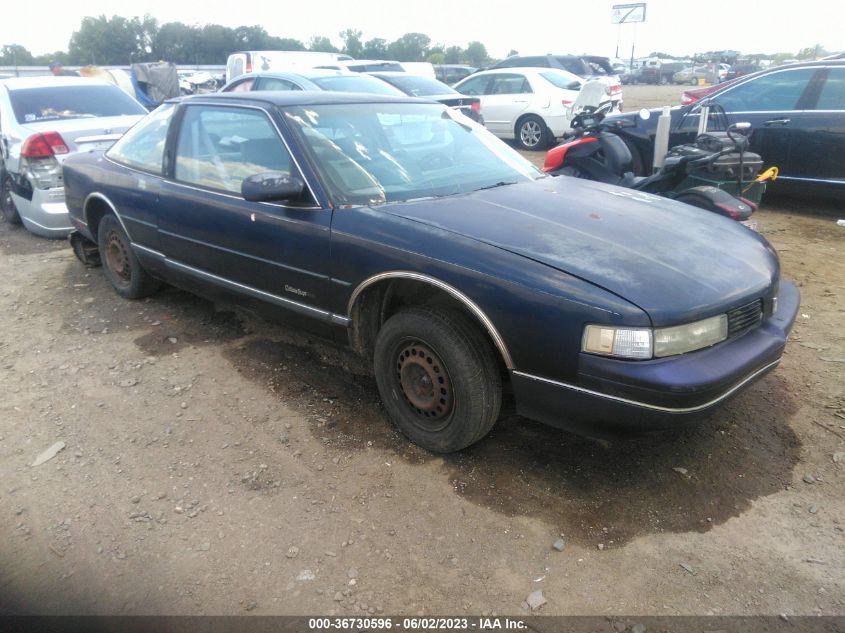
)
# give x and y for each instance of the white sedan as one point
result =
(532, 106)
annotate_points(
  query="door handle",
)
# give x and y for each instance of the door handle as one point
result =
(520, 100)
(778, 122)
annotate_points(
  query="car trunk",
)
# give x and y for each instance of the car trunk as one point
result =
(84, 134)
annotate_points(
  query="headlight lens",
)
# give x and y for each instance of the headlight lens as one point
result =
(614, 341)
(680, 339)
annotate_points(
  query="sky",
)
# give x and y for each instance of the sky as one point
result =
(679, 27)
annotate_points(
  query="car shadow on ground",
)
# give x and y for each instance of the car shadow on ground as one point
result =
(593, 491)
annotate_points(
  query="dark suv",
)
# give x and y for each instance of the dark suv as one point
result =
(581, 66)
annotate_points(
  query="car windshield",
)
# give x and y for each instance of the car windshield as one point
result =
(71, 102)
(562, 79)
(417, 86)
(356, 83)
(372, 153)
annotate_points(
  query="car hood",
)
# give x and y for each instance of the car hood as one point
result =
(674, 261)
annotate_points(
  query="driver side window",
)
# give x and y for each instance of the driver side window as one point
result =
(776, 92)
(220, 146)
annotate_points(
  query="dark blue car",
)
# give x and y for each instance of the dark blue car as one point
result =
(416, 237)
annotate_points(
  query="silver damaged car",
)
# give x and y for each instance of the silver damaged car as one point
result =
(43, 120)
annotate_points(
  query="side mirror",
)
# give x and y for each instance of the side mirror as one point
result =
(645, 114)
(271, 186)
(575, 85)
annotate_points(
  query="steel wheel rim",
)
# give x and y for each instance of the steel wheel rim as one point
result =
(425, 384)
(117, 258)
(530, 133)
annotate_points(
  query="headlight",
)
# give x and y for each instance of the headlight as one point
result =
(615, 341)
(680, 339)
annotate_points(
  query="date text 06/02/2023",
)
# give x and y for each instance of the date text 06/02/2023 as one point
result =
(417, 623)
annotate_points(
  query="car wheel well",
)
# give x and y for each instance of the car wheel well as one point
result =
(95, 210)
(380, 301)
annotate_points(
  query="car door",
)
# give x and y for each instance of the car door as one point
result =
(772, 103)
(818, 146)
(272, 252)
(507, 96)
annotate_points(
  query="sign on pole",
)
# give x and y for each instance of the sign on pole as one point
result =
(627, 13)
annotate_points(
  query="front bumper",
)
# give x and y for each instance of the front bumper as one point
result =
(613, 394)
(46, 213)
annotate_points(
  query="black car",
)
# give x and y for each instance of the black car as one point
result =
(450, 74)
(797, 113)
(418, 86)
(570, 63)
(442, 255)
(739, 70)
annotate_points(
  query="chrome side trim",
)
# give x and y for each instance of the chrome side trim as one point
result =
(653, 407)
(824, 180)
(258, 294)
(457, 294)
(95, 194)
(146, 249)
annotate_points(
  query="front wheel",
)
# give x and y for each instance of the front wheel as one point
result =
(120, 263)
(532, 133)
(438, 378)
(7, 205)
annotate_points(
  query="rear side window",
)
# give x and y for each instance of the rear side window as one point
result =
(833, 91)
(562, 80)
(142, 147)
(275, 83)
(775, 92)
(474, 86)
(53, 103)
(361, 83)
(509, 85)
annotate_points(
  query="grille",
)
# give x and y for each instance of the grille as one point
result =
(744, 317)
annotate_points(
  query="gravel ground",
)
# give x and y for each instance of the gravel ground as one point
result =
(214, 464)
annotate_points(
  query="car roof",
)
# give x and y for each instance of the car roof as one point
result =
(47, 81)
(517, 69)
(299, 97)
(395, 73)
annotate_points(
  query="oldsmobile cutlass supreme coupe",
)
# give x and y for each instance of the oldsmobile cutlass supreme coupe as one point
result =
(409, 232)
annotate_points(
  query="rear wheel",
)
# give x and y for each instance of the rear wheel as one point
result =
(438, 378)
(10, 211)
(532, 134)
(120, 263)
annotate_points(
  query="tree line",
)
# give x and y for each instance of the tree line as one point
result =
(117, 40)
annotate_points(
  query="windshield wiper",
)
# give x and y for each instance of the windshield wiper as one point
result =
(501, 183)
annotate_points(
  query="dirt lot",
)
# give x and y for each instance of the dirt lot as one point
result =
(218, 465)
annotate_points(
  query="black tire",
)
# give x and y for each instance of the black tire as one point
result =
(122, 268)
(421, 350)
(637, 163)
(531, 133)
(693, 81)
(7, 205)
